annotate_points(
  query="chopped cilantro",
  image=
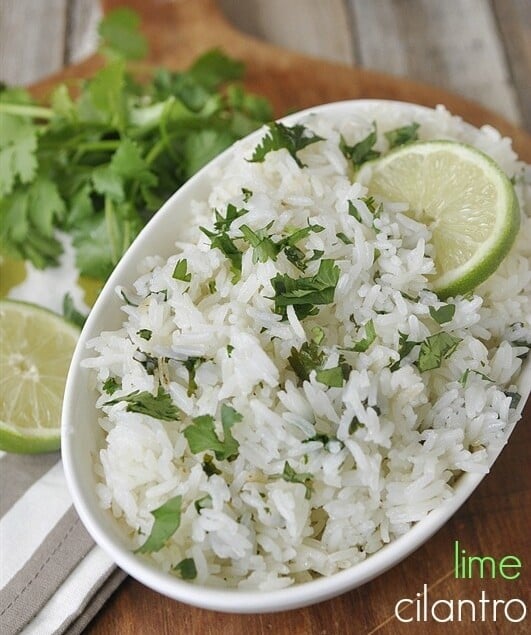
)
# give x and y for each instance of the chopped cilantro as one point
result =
(230, 348)
(344, 238)
(352, 210)
(212, 288)
(434, 349)
(202, 503)
(145, 334)
(354, 425)
(191, 365)
(223, 223)
(209, 468)
(362, 151)
(201, 434)
(167, 521)
(464, 377)
(331, 377)
(405, 346)
(180, 271)
(515, 398)
(111, 385)
(226, 245)
(305, 478)
(308, 358)
(279, 136)
(400, 136)
(443, 314)
(263, 246)
(293, 253)
(317, 334)
(186, 569)
(304, 294)
(159, 406)
(246, 194)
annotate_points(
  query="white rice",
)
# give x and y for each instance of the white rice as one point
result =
(414, 432)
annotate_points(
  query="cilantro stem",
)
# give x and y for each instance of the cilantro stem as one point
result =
(110, 221)
(26, 111)
(109, 144)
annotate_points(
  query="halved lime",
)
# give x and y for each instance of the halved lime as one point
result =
(36, 347)
(463, 196)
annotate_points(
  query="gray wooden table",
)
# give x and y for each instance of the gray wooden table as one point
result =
(480, 49)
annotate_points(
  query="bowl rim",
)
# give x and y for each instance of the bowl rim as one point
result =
(236, 600)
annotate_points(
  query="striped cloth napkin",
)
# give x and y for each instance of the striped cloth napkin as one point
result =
(53, 578)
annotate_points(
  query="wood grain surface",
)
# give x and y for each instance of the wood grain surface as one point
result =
(496, 519)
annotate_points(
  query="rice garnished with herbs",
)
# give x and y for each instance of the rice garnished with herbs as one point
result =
(286, 393)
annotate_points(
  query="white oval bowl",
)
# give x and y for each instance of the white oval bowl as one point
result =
(82, 437)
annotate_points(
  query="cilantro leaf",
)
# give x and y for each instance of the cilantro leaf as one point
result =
(180, 271)
(434, 349)
(362, 151)
(308, 358)
(292, 139)
(201, 435)
(167, 521)
(70, 313)
(363, 345)
(304, 294)
(191, 365)
(228, 248)
(515, 398)
(464, 377)
(305, 478)
(400, 136)
(145, 334)
(405, 346)
(443, 314)
(331, 377)
(203, 146)
(121, 36)
(223, 223)
(111, 385)
(264, 247)
(159, 406)
(186, 569)
(18, 145)
(344, 238)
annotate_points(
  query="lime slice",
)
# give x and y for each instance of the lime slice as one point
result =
(36, 347)
(463, 196)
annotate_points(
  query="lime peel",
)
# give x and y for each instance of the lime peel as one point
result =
(463, 196)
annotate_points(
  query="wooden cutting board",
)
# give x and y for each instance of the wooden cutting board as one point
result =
(495, 521)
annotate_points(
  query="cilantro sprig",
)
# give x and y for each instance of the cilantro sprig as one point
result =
(99, 165)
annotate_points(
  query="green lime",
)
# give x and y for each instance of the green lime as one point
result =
(463, 196)
(36, 347)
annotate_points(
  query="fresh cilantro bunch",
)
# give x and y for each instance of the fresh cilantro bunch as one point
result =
(98, 165)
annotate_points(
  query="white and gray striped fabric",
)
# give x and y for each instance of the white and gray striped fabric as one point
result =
(53, 578)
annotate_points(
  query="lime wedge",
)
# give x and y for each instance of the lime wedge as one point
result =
(36, 347)
(463, 196)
